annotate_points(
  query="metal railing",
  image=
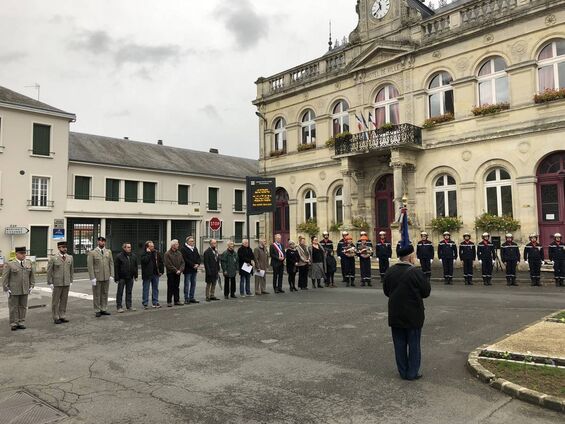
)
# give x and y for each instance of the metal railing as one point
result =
(123, 199)
(213, 207)
(239, 208)
(380, 139)
(38, 203)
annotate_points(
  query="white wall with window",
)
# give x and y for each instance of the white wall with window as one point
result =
(498, 192)
(440, 95)
(280, 135)
(310, 205)
(308, 125)
(386, 106)
(445, 196)
(493, 82)
(340, 117)
(551, 66)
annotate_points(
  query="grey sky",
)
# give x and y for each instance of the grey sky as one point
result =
(182, 71)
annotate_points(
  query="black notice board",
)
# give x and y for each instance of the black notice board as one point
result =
(260, 195)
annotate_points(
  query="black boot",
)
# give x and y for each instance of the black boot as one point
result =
(470, 281)
(348, 282)
(508, 281)
(446, 280)
(485, 281)
(369, 283)
(514, 283)
(450, 281)
(353, 282)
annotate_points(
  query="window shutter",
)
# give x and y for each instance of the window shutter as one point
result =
(41, 139)
(213, 199)
(149, 190)
(131, 191)
(183, 195)
(82, 188)
(238, 201)
(38, 241)
(112, 190)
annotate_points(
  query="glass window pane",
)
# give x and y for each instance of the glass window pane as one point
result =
(450, 180)
(560, 47)
(546, 78)
(501, 90)
(448, 102)
(550, 202)
(504, 175)
(506, 197)
(446, 78)
(440, 181)
(394, 114)
(434, 83)
(381, 95)
(346, 124)
(307, 213)
(382, 213)
(485, 69)
(546, 52)
(499, 64)
(452, 200)
(485, 92)
(339, 212)
(492, 201)
(392, 92)
(435, 105)
(314, 211)
(492, 175)
(440, 204)
(561, 71)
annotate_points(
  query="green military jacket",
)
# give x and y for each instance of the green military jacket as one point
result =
(100, 266)
(59, 272)
(17, 278)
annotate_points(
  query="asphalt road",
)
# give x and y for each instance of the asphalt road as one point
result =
(321, 356)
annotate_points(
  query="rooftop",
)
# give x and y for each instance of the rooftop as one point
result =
(10, 97)
(95, 149)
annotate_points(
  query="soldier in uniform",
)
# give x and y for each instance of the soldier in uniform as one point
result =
(340, 246)
(486, 254)
(383, 252)
(60, 278)
(425, 253)
(533, 254)
(510, 257)
(100, 270)
(18, 280)
(557, 255)
(447, 253)
(467, 254)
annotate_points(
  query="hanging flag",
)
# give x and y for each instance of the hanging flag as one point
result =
(359, 123)
(371, 122)
(404, 234)
(365, 122)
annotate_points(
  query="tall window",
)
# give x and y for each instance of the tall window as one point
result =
(213, 204)
(493, 82)
(41, 140)
(280, 134)
(339, 206)
(183, 194)
(551, 66)
(445, 190)
(238, 231)
(440, 95)
(238, 201)
(40, 191)
(386, 106)
(82, 188)
(131, 191)
(308, 127)
(498, 186)
(112, 190)
(149, 192)
(340, 117)
(310, 205)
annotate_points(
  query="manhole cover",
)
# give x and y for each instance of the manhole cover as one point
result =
(23, 408)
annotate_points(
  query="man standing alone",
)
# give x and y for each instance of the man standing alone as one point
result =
(60, 278)
(406, 286)
(100, 270)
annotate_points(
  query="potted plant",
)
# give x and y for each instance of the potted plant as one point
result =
(360, 223)
(307, 146)
(493, 223)
(446, 223)
(549, 95)
(309, 227)
(488, 109)
(434, 120)
(387, 127)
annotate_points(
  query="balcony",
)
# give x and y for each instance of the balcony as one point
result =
(380, 140)
(239, 208)
(213, 207)
(40, 204)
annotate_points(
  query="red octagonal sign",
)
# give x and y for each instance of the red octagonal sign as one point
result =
(215, 224)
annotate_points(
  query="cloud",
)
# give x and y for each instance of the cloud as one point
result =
(97, 42)
(244, 23)
(210, 111)
(136, 53)
(11, 57)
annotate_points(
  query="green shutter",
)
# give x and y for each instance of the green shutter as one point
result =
(183, 195)
(41, 139)
(82, 188)
(131, 191)
(238, 232)
(112, 190)
(38, 241)
(149, 192)
(238, 207)
(212, 199)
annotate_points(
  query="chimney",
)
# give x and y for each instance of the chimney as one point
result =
(160, 142)
(216, 151)
(126, 138)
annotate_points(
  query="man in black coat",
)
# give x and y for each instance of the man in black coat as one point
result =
(125, 270)
(152, 267)
(192, 261)
(276, 252)
(406, 286)
(212, 268)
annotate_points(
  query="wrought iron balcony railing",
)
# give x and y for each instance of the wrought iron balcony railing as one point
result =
(380, 139)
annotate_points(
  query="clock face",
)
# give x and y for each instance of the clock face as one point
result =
(380, 8)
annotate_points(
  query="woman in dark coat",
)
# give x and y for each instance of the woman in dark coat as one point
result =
(292, 258)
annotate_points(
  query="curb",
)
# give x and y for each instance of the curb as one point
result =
(514, 390)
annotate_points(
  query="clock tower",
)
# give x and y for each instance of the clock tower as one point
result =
(387, 19)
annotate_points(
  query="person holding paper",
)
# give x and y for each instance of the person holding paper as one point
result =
(261, 256)
(246, 259)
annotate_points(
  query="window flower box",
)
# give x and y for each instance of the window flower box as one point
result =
(304, 147)
(549, 95)
(434, 120)
(338, 138)
(488, 109)
(277, 153)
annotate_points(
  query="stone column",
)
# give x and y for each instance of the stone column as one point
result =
(296, 217)
(102, 229)
(347, 203)
(169, 233)
(323, 217)
(398, 185)
(361, 200)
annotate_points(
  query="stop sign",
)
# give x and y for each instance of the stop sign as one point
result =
(215, 224)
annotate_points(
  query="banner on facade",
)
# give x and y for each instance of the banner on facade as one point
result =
(260, 195)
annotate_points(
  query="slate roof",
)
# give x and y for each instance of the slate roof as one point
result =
(11, 97)
(95, 149)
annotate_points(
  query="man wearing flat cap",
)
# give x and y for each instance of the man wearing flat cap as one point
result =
(100, 270)
(60, 278)
(406, 286)
(18, 279)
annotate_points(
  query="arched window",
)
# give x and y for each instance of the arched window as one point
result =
(310, 205)
(280, 135)
(440, 95)
(498, 186)
(551, 66)
(493, 82)
(386, 106)
(308, 127)
(338, 197)
(340, 117)
(445, 190)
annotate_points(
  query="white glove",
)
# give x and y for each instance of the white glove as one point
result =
(431, 261)
(441, 260)
(93, 281)
(8, 293)
(111, 280)
(51, 286)
(493, 262)
(29, 291)
(480, 261)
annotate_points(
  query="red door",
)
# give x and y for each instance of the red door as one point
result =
(551, 197)
(282, 216)
(384, 205)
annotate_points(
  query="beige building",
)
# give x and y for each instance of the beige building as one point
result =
(441, 108)
(64, 185)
